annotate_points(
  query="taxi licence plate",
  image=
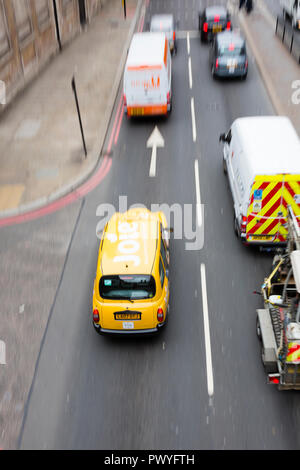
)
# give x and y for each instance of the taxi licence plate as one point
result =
(128, 316)
(217, 28)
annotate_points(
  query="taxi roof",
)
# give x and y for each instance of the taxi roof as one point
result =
(130, 243)
(230, 37)
(147, 48)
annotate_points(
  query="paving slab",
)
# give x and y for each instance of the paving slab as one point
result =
(41, 147)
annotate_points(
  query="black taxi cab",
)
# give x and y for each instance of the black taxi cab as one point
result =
(228, 56)
(213, 20)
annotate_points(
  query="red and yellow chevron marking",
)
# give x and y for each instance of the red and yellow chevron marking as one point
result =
(293, 354)
(278, 191)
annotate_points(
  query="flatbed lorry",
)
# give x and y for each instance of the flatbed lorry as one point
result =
(278, 323)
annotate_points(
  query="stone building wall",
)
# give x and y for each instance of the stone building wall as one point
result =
(33, 31)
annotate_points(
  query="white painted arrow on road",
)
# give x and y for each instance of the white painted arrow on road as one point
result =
(155, 140)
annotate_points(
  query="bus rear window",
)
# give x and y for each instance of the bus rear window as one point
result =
(127, 287)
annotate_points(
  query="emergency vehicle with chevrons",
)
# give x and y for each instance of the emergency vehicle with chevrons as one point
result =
(261, 157)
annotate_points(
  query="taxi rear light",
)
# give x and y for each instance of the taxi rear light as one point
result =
(217, 63)
(205, 27)
(173, 35)
(125, 100)
(96, 317)
(160, 315)
(246, 64)
(168, 98)
(228, 26)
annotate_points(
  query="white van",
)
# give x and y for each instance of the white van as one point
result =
(261, 157)
(292, 9)
(148, 76)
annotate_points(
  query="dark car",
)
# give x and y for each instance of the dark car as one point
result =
(213, 20)
(228, 55)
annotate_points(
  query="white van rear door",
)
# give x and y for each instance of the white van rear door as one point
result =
(146, 86)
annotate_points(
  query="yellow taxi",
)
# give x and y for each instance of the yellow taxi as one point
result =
(131, 287)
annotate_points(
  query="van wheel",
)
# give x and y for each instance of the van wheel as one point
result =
(236, 227)
(258, 330)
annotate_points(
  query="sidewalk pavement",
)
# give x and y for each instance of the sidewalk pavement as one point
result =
(41, 150)
(277, 67)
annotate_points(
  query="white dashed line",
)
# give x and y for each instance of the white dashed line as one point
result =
(193, 120)
(209, 369)
(190, 73)
(198, 195)
(2, 353)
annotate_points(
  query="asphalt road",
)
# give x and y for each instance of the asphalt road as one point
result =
(91, 392)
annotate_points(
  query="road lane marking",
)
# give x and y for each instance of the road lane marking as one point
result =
(11, 196)
(198, 194)
(188, 43)
(190, 73)
(155, 140)
(2, 353)
(209, 369)
(193, 120)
